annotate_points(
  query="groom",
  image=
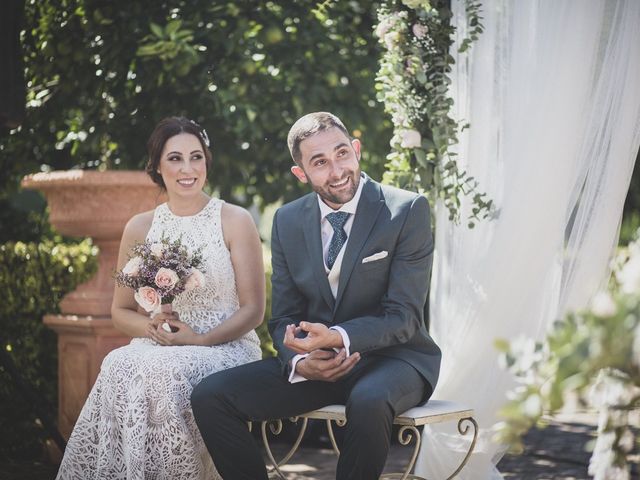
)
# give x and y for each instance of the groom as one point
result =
(351, 267)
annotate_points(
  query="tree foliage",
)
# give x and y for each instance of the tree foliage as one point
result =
(100, 74)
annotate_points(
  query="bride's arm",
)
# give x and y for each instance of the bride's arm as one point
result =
(124, 309)
(243, 241)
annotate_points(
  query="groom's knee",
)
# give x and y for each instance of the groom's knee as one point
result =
(206, 395)
(199, 398)
(369, 412)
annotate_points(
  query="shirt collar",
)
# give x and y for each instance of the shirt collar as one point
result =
(349, 207)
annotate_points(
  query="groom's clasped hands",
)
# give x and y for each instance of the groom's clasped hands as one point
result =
(326, 358)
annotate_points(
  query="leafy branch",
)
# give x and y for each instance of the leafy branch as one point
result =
(592, 355)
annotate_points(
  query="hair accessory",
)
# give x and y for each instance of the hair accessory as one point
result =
(203, 134)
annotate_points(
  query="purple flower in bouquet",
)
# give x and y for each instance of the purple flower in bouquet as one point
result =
(160, 271)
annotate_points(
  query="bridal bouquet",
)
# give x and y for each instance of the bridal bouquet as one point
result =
(158, 272)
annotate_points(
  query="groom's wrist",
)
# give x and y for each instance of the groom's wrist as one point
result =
(335, 339)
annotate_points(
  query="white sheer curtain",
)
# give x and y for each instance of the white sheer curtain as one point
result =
(552, 92)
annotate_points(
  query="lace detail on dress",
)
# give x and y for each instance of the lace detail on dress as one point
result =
(137, 422)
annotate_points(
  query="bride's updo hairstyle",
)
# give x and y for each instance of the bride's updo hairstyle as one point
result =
(167, 128)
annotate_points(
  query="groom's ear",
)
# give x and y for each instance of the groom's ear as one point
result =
(357, 146)
(299, 173)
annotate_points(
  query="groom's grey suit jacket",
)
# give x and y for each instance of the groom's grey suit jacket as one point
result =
(380, 304)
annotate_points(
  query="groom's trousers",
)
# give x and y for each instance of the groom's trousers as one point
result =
(374, 392)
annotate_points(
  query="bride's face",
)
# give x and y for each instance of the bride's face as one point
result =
(183, 165)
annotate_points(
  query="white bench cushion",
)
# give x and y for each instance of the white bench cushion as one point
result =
(434, 411)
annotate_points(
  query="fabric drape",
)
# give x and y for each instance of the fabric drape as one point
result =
(552, 93)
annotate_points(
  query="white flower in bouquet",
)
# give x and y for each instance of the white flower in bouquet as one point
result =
(157, 249)
(133, 266)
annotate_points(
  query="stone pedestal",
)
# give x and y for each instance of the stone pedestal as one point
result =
(98, 205)
(83, 342)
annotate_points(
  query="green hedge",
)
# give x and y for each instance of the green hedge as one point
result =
(265, 339)
(33, 279)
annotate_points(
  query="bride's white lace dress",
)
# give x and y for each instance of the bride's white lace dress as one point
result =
(137, 422)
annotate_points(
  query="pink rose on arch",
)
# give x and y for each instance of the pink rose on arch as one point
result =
(419, 30)
(166, 278)
(383, 27)
(148, 298)
(195, 280)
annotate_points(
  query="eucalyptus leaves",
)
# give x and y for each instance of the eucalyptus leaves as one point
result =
(413, 83)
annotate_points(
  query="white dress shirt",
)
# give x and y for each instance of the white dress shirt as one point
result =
(333, 274)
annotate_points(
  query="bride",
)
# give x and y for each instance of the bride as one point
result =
(137, 422)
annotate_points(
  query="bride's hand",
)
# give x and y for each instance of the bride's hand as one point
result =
(184, 335)
(164, 317)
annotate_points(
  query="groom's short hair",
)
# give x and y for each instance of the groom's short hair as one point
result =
(309, 125)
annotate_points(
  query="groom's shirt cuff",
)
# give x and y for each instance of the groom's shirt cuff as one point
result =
(345, 338)
(295, 377)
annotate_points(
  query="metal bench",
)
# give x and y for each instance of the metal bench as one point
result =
(435, 411)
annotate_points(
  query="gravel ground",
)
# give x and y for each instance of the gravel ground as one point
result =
(556, 452)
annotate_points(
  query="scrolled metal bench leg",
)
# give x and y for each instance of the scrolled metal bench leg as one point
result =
(276, 428)
(340, 423)
(405, 435)
(463, 431)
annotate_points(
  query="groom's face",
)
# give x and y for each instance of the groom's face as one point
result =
(330, 163)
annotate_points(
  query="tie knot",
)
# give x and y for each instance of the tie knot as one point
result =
(337, 219)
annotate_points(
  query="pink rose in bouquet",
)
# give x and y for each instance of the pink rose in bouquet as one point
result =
(159, 271)
(148, 298)
(166, 278)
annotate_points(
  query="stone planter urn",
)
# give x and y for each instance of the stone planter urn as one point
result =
(97, 205)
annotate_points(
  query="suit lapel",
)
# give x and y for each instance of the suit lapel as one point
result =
(313, 238)
(369, 206)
